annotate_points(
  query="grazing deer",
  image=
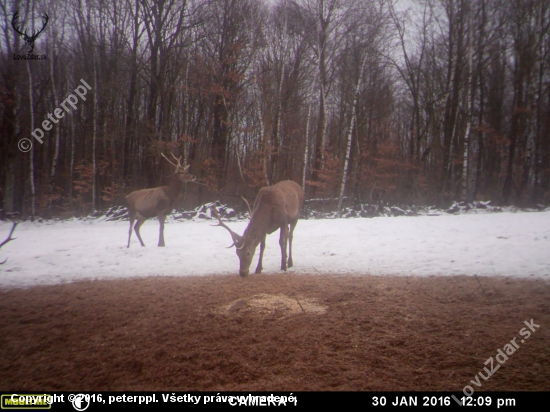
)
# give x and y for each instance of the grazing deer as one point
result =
(159, 201)
(275, 207)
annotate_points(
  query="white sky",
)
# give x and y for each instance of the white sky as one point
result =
(502, 244)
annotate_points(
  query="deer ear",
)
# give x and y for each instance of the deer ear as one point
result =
(186, 168)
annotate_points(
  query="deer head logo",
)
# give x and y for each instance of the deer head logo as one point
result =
(29, 39)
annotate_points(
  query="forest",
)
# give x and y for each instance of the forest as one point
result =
(396, 102)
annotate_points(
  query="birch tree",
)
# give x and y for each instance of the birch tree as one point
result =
(469, 97)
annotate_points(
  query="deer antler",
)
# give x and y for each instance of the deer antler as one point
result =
(248, 204)
(177, 166)
(178, 159)
(168, 160)
(9, 238)
(236, 238)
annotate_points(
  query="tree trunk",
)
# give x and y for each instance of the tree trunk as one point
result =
(31, 154)
(306, 150)
(56, 135)
(94, 143)
(469, 96)
(538, 146)
(277, 129)
(351, 125)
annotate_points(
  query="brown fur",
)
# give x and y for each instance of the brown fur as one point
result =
(159, 201)
(275, 207)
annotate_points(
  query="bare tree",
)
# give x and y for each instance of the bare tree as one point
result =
(324, 22)
(469, 97)
(454, 108)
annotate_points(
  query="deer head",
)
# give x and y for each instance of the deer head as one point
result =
(243, 246)
(180, 172)
(29, 39)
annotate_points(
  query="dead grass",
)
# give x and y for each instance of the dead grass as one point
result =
(274, 332)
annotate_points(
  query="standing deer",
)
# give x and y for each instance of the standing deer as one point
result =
(159, 201)
(275, 207)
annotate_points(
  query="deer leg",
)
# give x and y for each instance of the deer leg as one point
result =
(290, 235)
(282, 242)
(262, 247)
(132, 218)
(161, 230)
(138, 224)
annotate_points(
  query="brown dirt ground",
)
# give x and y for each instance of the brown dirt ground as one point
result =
(283, 332)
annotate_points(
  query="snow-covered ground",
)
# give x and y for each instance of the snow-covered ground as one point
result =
(502, 244)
